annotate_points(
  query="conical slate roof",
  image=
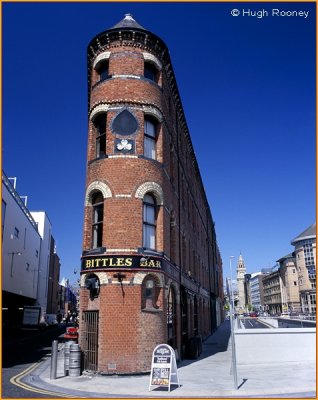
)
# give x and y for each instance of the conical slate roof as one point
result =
(290, 255)
(309, 233)
(128, 22)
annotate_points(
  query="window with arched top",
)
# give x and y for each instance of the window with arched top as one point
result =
(150, 71)
(150, 138)
(149, 222)
(103, 70)
(195, 317)
(149, 293)
(172, 318)
(97, 220)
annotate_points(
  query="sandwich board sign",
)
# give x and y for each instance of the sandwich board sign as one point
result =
(163, 367)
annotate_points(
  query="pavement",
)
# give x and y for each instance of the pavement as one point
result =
(209, 376)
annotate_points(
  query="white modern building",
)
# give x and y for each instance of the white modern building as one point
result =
(45, 230)
(26, 239)
(21, 247)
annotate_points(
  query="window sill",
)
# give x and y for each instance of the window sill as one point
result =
(101, 81)
(98, 250)
(102, 157)
(151, 310)
(151, 81)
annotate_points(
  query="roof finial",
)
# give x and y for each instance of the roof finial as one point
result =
(128, 22)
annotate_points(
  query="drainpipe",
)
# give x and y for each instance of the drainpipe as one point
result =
(179, 218)
(209, 264)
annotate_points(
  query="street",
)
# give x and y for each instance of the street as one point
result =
(22, 351)
(253, 323)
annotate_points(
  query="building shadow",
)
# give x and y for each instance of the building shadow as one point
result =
(24, 347)
(218, 342)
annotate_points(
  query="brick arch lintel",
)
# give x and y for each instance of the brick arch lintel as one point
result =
(100, 186)
(150, 187)
(148, 109)
(140, 276)
(153, 111)
(102, 276)
(102, 56)
(152, 59)
(174, 285)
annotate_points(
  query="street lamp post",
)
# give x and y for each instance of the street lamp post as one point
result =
(13, 253)
(232, 329)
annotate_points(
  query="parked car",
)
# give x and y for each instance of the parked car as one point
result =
(71, 333)
(253, 314)
(51, 319)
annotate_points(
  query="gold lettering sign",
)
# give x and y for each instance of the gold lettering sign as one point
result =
(128, 262)
(151, 264)
(120, 262)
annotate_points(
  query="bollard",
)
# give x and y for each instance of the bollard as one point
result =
(67, 346)
(75, 360)
(54, 359)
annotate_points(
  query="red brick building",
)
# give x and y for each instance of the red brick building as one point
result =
(151, 269)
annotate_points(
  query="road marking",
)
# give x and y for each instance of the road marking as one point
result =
(16, 380)
(250, 323)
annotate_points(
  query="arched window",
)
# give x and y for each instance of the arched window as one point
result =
(149, 222)
(102, 71)
(150, 137)
(184, 320)
(100, 134)
(173, 237)
(149, 292)
(171, 318)
(150, 71)
(195, 317)
(98, 215)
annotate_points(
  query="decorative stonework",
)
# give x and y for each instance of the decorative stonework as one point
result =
(140, 276)
(151, 58)
(99, 109)
(122, 156)
(150, 187)
(154, 112)
(124, 145)
(171, 283)
(102, 276)
(101, 187)
(121, 250)
(126, 76)
(102, 56)
(133, 104)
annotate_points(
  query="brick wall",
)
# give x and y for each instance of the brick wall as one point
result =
(184, 229)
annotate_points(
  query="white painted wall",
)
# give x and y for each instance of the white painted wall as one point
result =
(263, 346)
(270, 321)
(24, 267)
(45, 230)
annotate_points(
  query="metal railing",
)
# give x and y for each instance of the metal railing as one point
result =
(17, 198)
(90, 340)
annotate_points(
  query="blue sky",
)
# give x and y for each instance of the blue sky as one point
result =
(247, 86)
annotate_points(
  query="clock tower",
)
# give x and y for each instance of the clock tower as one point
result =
(241, 271)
